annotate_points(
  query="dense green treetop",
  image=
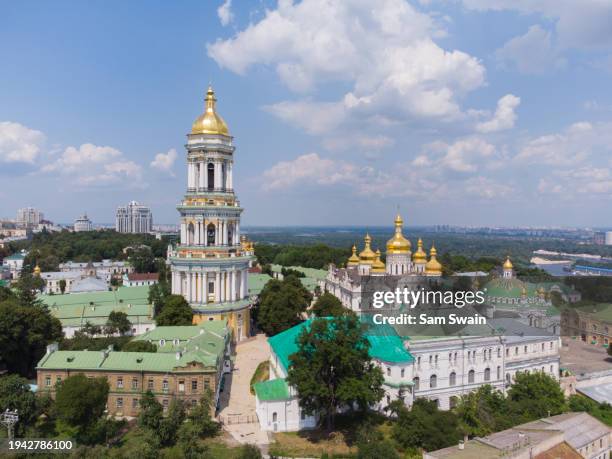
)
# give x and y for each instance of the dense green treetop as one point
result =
(176, 311)
(332, 368)
(281, 304)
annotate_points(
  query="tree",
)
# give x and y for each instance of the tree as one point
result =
(328, 305)
(151, 412)
(143, 260)
(483, 411)
(536, 395)
(81, 401)
(377, 450)
(25, 331)
(249, 451)
(117, 322)
(201, 417)
(176, 311)
(281, 304)
(170, 425)
(28, 287)
(332, 368)
(139, 346)
(15, 394)
(158, 294)
(62, 285)
(189, 442)
(424, 426)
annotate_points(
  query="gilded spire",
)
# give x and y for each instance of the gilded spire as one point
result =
(378, 266)
(367, 255)
(420, 257)
(398, 243)
(210, 122)
(433, 266)
(354, 258)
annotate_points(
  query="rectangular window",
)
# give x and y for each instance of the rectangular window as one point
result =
(194, 385)
(134, 384)
(58, 380)
(402, 372)
(135, 403)
(206, 384)
(165, 404)
(119, 402)
(165, 385)
(119, 383)
(48, 381)
(150, 385)
(181, 385)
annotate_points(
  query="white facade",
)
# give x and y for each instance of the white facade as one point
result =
(105, 269)
(83, 223)
(134, 218)
(14, 264)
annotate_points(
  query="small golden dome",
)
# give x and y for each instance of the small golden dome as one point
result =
(419, 257)
(378, 266)
(210, 122)
(398, 243)
(353, 259)
(433, 266)
(508, 263)
(367, 255)
(37, 270)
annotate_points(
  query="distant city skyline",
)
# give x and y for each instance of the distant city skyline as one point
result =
(464, 112)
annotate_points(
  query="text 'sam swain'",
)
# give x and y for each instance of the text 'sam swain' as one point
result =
(424, 319)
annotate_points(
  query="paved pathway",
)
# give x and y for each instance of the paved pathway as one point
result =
(237, 403)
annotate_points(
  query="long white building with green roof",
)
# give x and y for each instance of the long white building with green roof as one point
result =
(439, 368)
(74, 310)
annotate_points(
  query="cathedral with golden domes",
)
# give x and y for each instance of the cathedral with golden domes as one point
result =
(210, 264)
(345, 283)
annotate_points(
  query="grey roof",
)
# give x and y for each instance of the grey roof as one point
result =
(514, 330)
(579, 429)
(600, 393)
(89, 284)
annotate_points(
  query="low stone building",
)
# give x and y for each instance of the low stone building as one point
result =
(592, 323)
(184, 368)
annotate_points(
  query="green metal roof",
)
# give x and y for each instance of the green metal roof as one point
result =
(257, 282)
(313, 276)
(15, 256)
(385, 345)
(275, 389)
(75, 309)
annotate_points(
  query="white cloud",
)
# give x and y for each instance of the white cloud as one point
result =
(585, 180)
(225, 13)
(310, 168)
(93, 165)
(19, 143)
(574, 145)
(386, 55)
(487, 188)
(532, 53)
(165, 161)
(464, 155)
(504, 117)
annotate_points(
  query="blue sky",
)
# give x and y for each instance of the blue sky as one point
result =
(471, 112)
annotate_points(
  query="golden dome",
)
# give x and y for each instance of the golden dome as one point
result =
(37, 270)
(419, 257)
(508, 263)
(210, 122)
(398, 243)
(433, 266)
(378, 266)
(353, 259)
(367, 255)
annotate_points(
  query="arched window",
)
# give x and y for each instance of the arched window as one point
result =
(471, 376)
(230, 234)
(452, 379)
(274, 417)
(452, 402)
(433, 381)
(508, 378)
(190, 234)
(210, 234)
(498, 372)
(487, 374)
(211, 176)
(416, 381)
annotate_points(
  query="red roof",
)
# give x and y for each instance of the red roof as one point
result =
(143, 276)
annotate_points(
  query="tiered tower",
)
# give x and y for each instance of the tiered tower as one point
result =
(210, 264)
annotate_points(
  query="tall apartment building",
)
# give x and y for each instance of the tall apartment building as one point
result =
(134, 218)
(29, 216)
